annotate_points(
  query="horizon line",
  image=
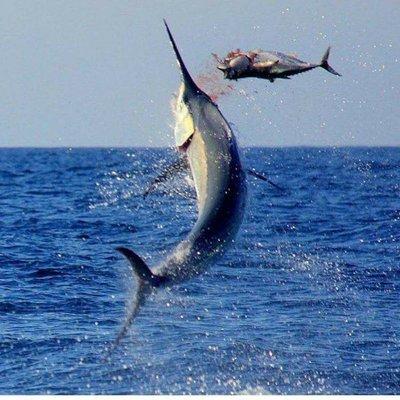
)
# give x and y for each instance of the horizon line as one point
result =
(173, 147)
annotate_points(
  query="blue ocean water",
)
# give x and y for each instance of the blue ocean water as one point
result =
(307, 301)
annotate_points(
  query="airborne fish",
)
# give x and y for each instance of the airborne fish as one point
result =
(205, 137)
(269, 65)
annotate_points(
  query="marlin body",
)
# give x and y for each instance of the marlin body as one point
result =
(203, 134)
(269, 65)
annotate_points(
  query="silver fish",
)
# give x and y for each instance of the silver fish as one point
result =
(269, 65)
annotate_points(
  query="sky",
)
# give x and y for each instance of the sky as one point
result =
(102, 73)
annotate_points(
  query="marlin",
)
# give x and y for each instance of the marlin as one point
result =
(210, 147)
(269, 65)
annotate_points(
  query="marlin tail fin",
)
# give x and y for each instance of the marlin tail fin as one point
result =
(145, 281)
(133, 309)
(140, 268)
(324, 63)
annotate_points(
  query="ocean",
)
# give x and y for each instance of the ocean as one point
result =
(306, 301)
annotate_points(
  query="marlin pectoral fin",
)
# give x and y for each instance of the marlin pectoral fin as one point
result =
(179, 165)
(264, 178)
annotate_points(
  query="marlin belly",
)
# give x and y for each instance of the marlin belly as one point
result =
(221, 191)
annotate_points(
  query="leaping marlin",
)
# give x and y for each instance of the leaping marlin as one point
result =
(210, 147)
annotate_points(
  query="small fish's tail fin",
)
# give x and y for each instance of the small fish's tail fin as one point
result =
(146, 280)
(324, 63)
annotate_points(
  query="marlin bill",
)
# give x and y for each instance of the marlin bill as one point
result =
(269, 65)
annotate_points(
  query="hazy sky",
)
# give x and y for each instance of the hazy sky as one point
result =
(101, 73)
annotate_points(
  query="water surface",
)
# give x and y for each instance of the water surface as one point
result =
(307, 301)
